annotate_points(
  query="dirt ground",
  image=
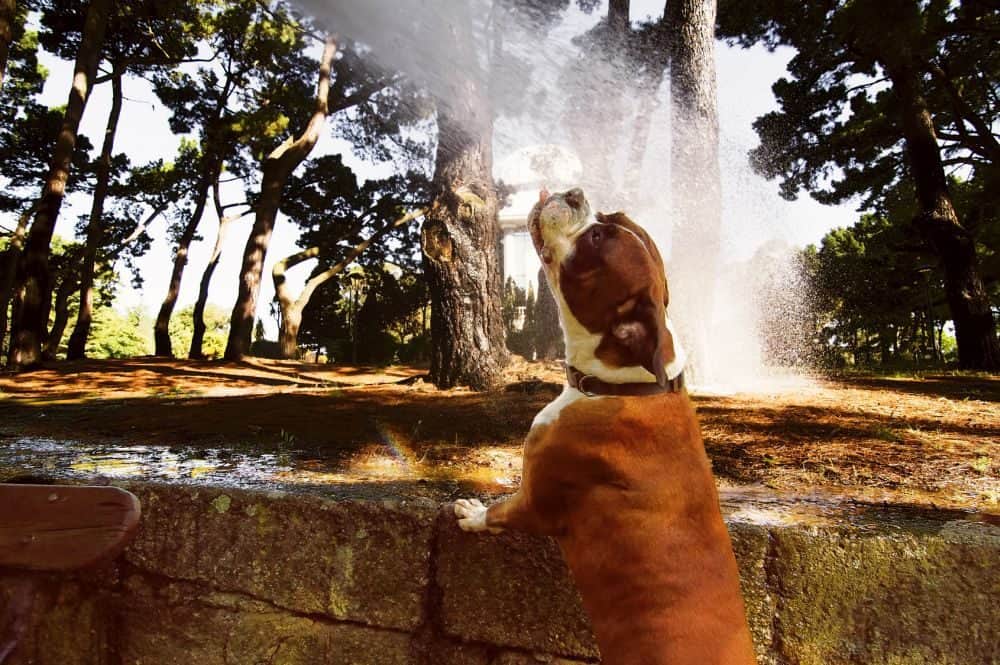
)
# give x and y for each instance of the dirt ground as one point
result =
(931, 440)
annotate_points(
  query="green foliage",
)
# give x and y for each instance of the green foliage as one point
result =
(390, 315)
(378, 314)
(878, 297)
(514, 298)
(873, 88)
(141, 34)
(837, 133)
(520, 319)
(117, 335)
(216, 330)
(28, 130)
(336, 212)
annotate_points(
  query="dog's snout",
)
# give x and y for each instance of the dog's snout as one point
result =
(574, 198)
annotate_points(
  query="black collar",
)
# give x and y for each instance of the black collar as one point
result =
(590, 385)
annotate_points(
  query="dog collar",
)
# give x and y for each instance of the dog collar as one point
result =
(591, 386)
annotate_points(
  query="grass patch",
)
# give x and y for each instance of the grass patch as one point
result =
(982, 464)
(885, 433)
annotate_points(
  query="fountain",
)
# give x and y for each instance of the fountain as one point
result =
(566, 114)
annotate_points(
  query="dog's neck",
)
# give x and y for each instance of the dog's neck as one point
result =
(581, 348)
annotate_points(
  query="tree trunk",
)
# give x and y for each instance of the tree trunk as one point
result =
(34, 276)
(291, 307)
(54, 339)
(649, 82)
(288, 340)
(975, 330)
(549, 343)
(161, 330)
(598, 110)
(618, 17)
(95, 230)
(461, 245)
(198, 335)
(696, 188)
(8, 14)
(277, 168)
(649, 103)
(8, 264)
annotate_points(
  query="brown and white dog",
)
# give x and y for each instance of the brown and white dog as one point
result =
(615, 468)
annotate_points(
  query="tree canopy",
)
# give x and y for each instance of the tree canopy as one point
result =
(883, 102)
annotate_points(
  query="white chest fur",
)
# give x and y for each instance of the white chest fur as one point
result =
(550, 413)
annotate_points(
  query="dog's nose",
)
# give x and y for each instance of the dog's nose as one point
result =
(575, 198)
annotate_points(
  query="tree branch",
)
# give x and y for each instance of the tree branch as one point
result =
(964, 112)
(314, 282)
(862, 86)
(141, 227)
(292, 151)
(294, 25)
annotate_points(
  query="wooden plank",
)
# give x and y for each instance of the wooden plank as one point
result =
(62, 527)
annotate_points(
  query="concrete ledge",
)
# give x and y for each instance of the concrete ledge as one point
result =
(234, 576)
(365, 562)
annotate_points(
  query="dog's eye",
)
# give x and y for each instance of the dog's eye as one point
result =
(596, 235)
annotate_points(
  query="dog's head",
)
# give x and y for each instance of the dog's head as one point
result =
(607, 277)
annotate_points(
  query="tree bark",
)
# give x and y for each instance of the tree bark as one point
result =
(461, 244)
(8, 14)
(95, 230)
(549, 344)
(34, 277)
(161, 330)
(598, 110)
(277, 168)
(618, 17)
(54, 339)
(649, 82)
(225, 221)
(291, 307)
(696, 188)
(8, 265)
(975, 329)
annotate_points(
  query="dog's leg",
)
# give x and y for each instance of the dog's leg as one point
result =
(515, 513)
(471, 514)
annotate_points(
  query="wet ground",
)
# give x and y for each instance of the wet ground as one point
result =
(816, 451)
(393, 475)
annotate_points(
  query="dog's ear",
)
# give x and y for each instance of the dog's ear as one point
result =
(643, 338)
(543, 195)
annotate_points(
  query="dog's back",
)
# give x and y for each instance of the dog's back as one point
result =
(630, 490)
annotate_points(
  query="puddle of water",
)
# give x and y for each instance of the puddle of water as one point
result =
(390, 462)
(68, 459)
(757, 504)
(393, 469)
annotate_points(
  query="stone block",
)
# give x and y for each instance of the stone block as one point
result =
(175, 624)
(750, 545)
(520, 658)
(440, 651)
(895, 597)
(510, 590)
(361, 561)
(515, 590)
(68, 622)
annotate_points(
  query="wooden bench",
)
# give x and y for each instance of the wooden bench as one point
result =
(56, 528)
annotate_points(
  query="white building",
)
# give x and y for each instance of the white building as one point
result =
(526, 171)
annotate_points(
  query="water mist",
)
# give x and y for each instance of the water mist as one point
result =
(550, 82)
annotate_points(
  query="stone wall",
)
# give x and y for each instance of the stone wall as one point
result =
(236, 577)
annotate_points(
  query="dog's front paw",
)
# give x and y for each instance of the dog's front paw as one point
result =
(471, 514)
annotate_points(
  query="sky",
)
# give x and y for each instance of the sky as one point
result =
(753, 213)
